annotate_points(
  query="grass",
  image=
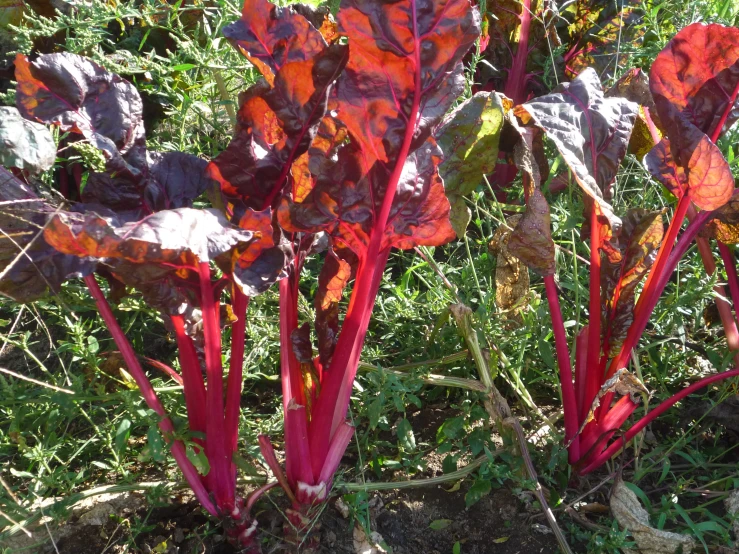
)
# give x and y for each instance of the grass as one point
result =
(57, 444)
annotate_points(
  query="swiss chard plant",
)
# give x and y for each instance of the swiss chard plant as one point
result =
(694, 83)
(337, 140)
(135, 227)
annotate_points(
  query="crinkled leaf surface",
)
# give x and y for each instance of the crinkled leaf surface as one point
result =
(511, 275)
(469, 137)
(725, 226)
(634, 86)
(600, 32)
(80, 96)
(403, 74)
(262, 262)
(276, 125)
(695, 82)
(271, 37)
(337, 270)
(531, 240)
(590, 131)
(698, 74)
(689, 163)
(504, 32)
(628, 258)
(25, 144)
(166, 180)
(180, 238)
(301, 344)
(30, 266)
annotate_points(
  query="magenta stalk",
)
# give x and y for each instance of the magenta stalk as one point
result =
(147, 391)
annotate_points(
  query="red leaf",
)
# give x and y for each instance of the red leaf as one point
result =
(695, 82)
(275, 127)
(628, 258)
(80, 96)
(699, 169)
(698, 74)
(335, 275)
(389, 98)
(271, 37)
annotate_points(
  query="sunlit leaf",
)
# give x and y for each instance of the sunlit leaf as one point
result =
(469, 137)
(24, 144)
(590, 131)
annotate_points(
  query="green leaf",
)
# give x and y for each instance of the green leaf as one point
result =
(183, 67)
(479, 488)
(547, 354)
(449, 464)
(476, 440)
(375, 411)
(405, 435)
(92, 344)
(156, 444)
(122, 434)
(469, 139)
(198, 459)
(452, 428)
(457, 548)
(439, 524)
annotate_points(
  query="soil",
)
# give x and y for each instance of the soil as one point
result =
(498, 524)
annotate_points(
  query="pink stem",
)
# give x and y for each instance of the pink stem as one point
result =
(239, 304)
(147, 391)
(515, 87)
(650, 293)
(268, 452)
(581, 370)
(333, 401)
(224, 487)
(617, 445)
(164, 368)
(722, 305)
(730, 265)
(716, 133)
(565, 369)
(636, 329)
(192, 377)
(593, 377)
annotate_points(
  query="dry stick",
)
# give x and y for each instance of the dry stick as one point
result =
(498, 409)
(539, 491)
(428, 482)
(584, 522)
(430, 260)
(34, 381)
(9, 491)
(14, 522)
(225, 96)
